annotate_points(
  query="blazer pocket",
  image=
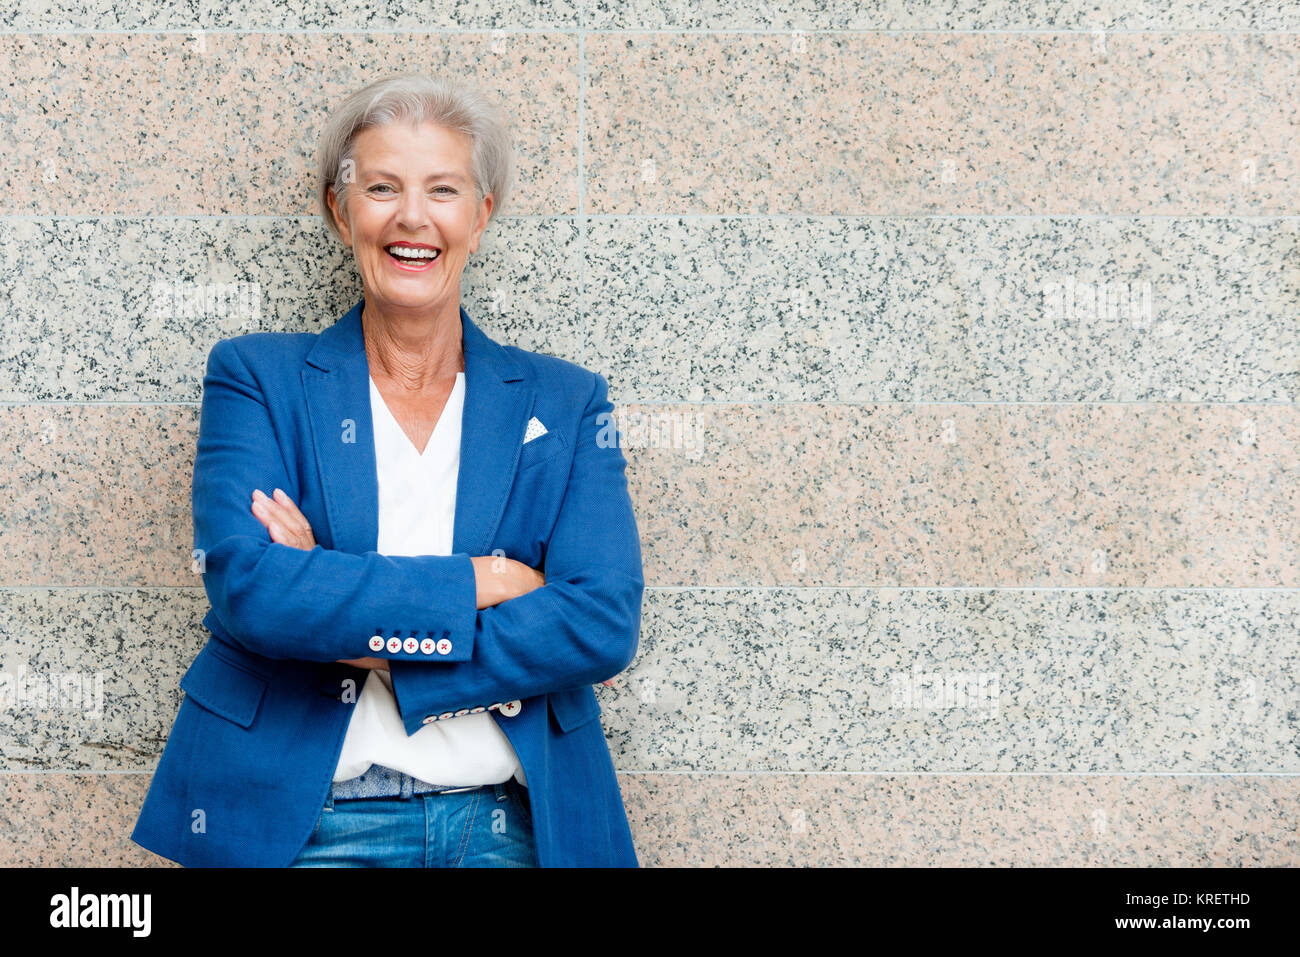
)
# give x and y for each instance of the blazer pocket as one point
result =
(574, 707)
(222, 683)
(542, 449)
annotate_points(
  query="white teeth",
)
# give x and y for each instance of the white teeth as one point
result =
(410, 252)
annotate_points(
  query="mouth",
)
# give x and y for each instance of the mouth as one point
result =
(415, 258)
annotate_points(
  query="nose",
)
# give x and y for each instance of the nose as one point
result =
(412, 210)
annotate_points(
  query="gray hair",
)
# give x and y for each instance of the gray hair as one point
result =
(415, 98)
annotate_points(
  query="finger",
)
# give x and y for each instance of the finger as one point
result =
(279, 533)
(272, 505)
(262, 505)
(295, 515)
(276, 514)
(267, 511)
(280, 496)
(261, 513)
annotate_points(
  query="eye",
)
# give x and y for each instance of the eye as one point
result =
(447, 188)
(379, 187)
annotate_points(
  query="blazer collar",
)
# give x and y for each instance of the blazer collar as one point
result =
(498, 402)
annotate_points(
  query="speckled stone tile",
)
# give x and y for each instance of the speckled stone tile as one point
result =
(412, 15)
(1185, 124)
(96, 494)
(938, 15)
(73, 820)
(778, 679)
(791, 820)
(127, 309)
(176, 131)
(925, 310)
(33, 15)
(90, 678)
(736, 820)
(1007, 495)
(967, 680)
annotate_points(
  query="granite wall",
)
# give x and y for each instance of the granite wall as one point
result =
(956, 344)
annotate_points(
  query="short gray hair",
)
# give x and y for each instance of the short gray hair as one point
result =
(416, 98)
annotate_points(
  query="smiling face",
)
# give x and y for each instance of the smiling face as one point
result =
(414, 192)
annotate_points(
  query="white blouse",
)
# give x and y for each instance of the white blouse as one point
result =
(417, 509)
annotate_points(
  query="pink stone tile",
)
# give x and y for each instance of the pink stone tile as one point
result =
(61, 820)
(797, 494)
(988, 495)
(96, 495)
(930, 122)
(738, 820)
(73, 820)
(227, 123)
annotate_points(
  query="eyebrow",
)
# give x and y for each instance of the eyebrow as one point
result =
(441, 174)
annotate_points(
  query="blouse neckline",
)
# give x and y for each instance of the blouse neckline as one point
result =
(455, 398)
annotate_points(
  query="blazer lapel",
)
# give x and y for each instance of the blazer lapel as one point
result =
(498, 403)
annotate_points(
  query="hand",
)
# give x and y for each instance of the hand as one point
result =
(287, 525)
(373, 664)
(498, 579)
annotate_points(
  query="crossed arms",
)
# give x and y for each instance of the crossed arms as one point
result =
(282, 600)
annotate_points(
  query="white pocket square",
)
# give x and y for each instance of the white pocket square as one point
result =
(535, 429)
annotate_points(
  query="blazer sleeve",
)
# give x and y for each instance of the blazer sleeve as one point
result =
(579, 628)
(283, 602)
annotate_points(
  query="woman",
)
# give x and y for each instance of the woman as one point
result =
(418, 546)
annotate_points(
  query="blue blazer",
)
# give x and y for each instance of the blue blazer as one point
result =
(252, 753)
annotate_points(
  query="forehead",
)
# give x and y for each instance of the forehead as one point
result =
(424, 148)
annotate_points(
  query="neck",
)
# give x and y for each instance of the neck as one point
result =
(416, 351)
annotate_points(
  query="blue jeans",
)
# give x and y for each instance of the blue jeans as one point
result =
(488, 827)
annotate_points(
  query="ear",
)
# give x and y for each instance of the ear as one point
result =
(484, 214)
(340, 220)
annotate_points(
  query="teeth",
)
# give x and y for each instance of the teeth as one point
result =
(409, 252)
